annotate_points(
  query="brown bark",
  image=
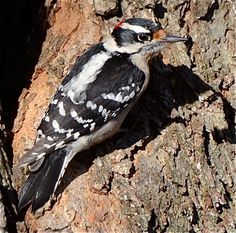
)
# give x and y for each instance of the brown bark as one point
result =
(174, 169)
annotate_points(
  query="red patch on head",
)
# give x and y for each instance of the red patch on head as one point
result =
(119, 24)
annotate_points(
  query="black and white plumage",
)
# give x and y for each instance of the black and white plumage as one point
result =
(91, 103)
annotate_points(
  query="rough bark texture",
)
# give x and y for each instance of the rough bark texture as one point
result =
(174, 168)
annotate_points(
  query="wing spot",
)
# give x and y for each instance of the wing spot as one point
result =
(104, 96)
(47, 119)
(80, 120)
(68, 135)
(94, 106)
(61, 109)
(118, 97)
(90, 104)
(73, 114)
(49, 138)
(85, 125)
(40, 135)
(105, 114)
(76, 135)
(55, 101)
(55, 125)
(100, 109)
(111, 96)
(92, 126)
(126, 88)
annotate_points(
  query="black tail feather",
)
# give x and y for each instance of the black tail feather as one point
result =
(41, 184)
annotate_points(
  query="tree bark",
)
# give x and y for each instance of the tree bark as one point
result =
(173, 170)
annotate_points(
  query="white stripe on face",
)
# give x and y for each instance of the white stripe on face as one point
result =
(135, 28)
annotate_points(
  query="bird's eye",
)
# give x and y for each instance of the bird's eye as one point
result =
(144, 37)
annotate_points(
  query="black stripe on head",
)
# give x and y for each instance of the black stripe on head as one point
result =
(146, 23)
(123, 36)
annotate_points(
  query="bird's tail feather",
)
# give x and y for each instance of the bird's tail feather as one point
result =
(42, 183)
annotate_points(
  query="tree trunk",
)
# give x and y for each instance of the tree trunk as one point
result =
(173, 170)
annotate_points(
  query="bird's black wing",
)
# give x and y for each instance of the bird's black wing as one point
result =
(72, 115)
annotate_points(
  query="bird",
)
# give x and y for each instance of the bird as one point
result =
(91, 103)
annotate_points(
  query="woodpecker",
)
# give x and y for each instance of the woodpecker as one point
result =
(91, 103)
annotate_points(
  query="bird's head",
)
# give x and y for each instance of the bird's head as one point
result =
(138, 35)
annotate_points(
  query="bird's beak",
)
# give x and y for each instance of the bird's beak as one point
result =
(162, 37)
